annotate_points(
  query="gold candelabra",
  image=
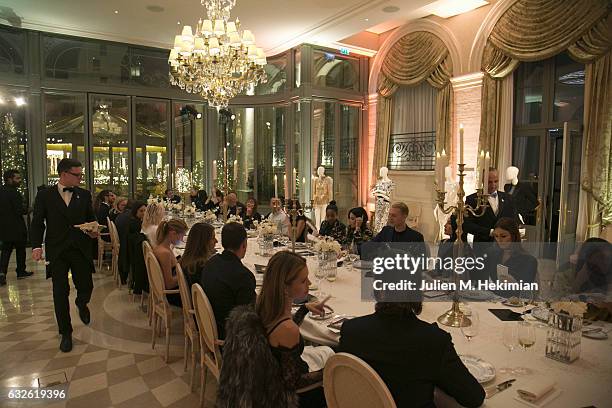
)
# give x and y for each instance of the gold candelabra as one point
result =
(454, 316)
(294, 212)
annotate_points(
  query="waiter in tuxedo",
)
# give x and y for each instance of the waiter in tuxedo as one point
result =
(61, 207)
(500, 205)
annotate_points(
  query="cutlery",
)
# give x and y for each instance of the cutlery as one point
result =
(499, 388)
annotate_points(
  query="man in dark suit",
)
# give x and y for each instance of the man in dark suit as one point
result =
(500, 205)
(13, 232)
(225, 280)
(61, 208)
(235, 207)
(411, 356)
(397, 230)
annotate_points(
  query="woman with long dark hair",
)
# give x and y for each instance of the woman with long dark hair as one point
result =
(250, 215)
(200, 247)
(357, 230)
(332, 227)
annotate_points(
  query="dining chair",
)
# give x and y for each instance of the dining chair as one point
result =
(192, 337)
(146, 249)
(103, 247)
(161, 310)
(210, 353)
(115, 251)
(349, 382)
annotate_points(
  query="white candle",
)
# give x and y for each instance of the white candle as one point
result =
(479, 168)
(443, 164)
(487, 163)
(214, 171)
(312, 186)
(294, 181)
(236, 173)
(438, 166)
(275, 186)
(461, 144)
(285, 185)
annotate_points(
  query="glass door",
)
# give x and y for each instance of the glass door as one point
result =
(110, 130)
(569, 192)
(347, 185)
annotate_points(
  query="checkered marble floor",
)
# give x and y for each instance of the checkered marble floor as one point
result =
(112, 363)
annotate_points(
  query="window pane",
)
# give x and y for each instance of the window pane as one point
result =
(148, 67)
(526, 157)
(151, 147)
(276, 70)
(13, 136)
(64, 131)
(349, 136)
(529, 92)
(109, 120)
(331, 70)
(12, 51)
(323, 138)
(188, 146)
(271, 156)
(569, 90)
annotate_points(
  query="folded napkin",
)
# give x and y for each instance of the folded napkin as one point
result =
(536, 391)
(316, 357)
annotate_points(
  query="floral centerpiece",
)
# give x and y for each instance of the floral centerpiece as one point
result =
(565, 330)
(152, 200)
(190, 209)
(210, 216)
(328, 250)
(266, 228)
(234, 218)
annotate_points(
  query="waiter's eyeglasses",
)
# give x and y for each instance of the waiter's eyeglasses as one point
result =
(78, 175)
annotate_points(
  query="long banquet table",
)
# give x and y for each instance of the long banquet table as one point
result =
(585, 382)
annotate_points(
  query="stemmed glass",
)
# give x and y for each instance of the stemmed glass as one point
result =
(352, 255)
(470, 330)
(320, 274)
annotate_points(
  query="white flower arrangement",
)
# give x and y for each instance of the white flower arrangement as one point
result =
(234, 218)
(190, 209)
(327, 244)
(266, 228)
(570, 308)
(152, 200)
(210, 216)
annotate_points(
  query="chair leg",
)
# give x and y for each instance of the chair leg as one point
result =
(202, 382)
(167, 341)
(193, 365)
(185, 350)
(150, 308)
(154, 330)
(100, 255)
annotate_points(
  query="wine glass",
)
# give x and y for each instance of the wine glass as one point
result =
(469, 326)
(526, 335)
(352, 255)
(510, 341)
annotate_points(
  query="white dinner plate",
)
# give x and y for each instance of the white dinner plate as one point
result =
(510, 304)
(328, 313)
(482, 370)
(596, 335)
(482, 295)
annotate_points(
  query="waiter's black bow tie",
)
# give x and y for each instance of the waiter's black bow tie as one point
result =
(71, 189)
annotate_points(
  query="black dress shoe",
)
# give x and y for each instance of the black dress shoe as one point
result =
(24, 275)
(66, 343)
(84, 314)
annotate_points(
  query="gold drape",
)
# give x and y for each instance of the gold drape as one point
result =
(597, 132)
(532, 30)
(414, 58)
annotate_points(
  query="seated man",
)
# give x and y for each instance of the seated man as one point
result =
(278, 216)
(397, 230)
(410, 355)
(235, 207)
(225, 280)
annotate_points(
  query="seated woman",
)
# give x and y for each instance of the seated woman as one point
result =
(169, 234)
(301, 230)
(154, 214)
(507, 260)
(332, 227)
(200, 247)
(134, 248)
(118, 208)
(593, 266)
(213, 203)
(251, 214)
(410, 355)
(357, 231)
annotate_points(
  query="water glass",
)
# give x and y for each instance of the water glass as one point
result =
(526, 335)
(510, 341)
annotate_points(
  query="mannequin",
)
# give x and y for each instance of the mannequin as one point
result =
(451, 199)
(323, 187)
(382, 193)
(525, 199)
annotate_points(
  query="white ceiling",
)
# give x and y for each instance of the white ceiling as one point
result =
(277, 24)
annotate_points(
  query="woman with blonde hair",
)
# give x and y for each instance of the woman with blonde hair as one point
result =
(169, 234)
(200, 247)
(118, 208)
(154, 215)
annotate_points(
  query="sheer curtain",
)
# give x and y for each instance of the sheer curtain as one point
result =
(414, 109)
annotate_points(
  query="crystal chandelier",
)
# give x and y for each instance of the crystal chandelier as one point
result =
(220, 60)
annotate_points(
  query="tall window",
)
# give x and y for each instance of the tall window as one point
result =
(13, 136)
(412, 143)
